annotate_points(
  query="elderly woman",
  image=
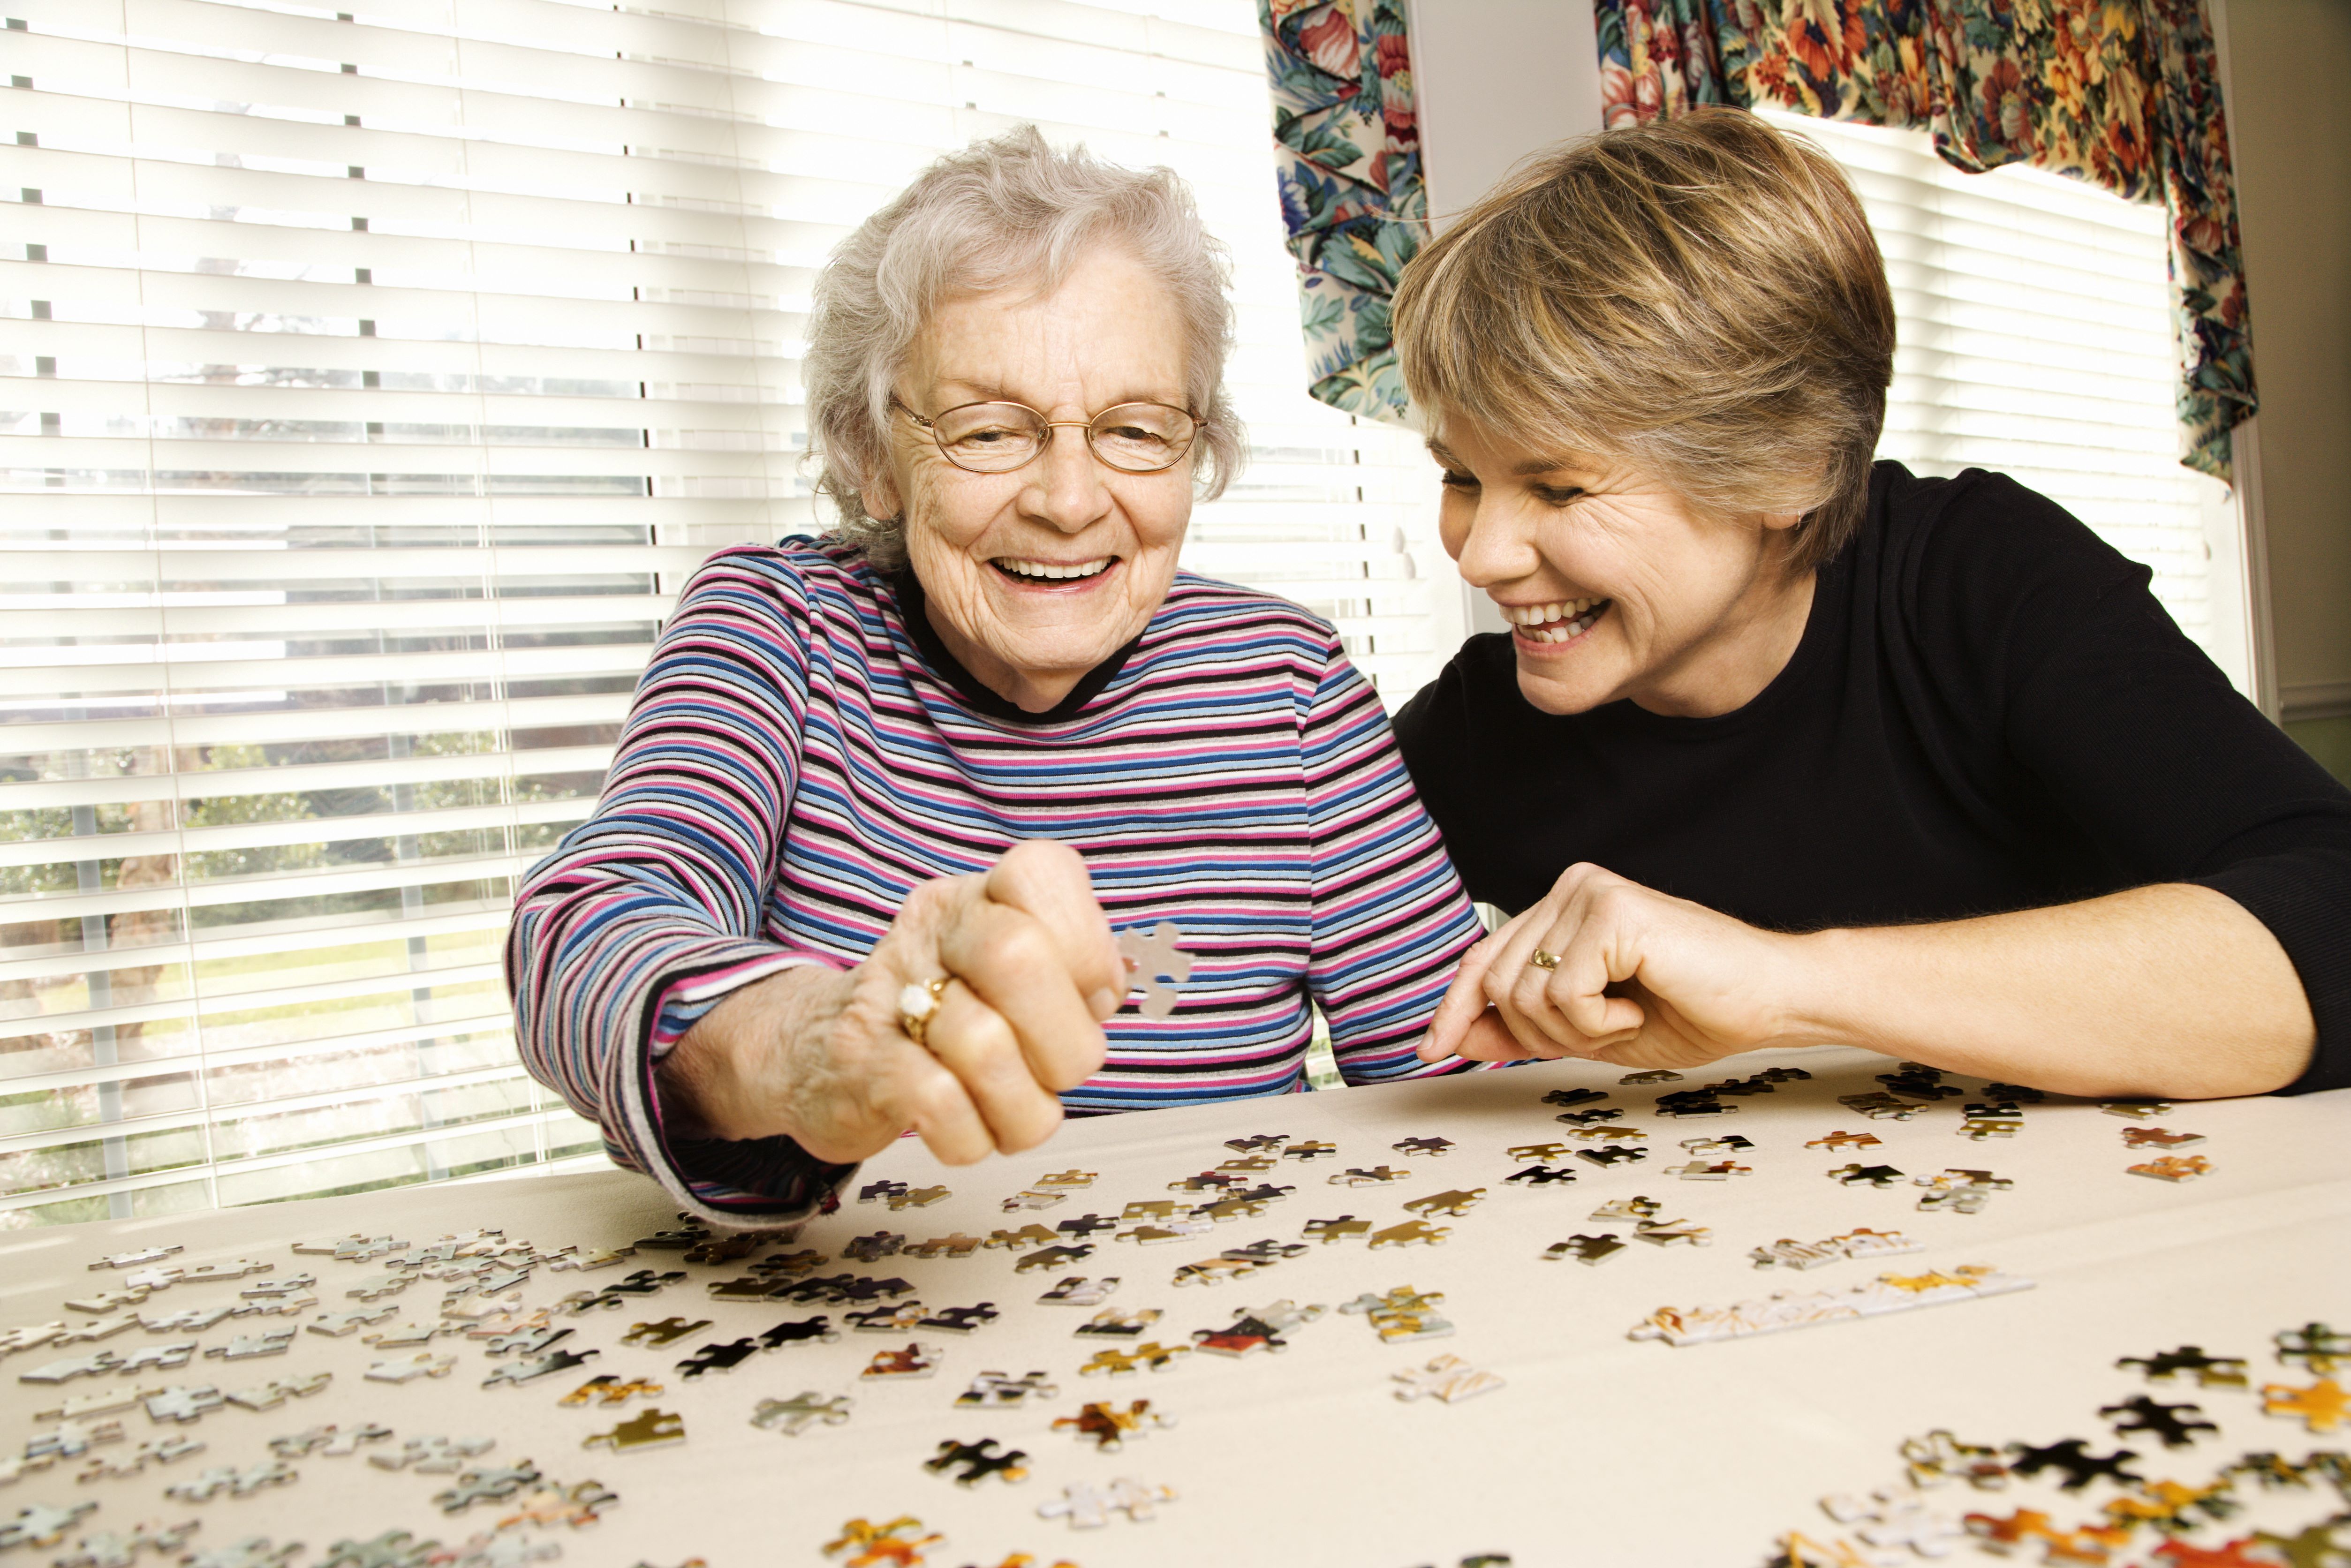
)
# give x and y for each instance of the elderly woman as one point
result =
(1785, 747)
(883, 800)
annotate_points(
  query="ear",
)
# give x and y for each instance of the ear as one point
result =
(1780, 521)
(879, 492)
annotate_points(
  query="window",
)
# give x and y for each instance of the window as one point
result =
(373, 381)
(2035, 339)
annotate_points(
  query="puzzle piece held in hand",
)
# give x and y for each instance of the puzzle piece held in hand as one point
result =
(1157, 963)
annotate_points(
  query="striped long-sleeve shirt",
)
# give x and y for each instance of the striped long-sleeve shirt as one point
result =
(802, 753)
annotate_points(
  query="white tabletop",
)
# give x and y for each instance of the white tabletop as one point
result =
(1598, 1449)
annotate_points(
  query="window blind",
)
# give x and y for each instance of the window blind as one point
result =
(2035, 341)
(372, 382)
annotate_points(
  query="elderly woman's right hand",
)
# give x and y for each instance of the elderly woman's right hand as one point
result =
(1032, 972)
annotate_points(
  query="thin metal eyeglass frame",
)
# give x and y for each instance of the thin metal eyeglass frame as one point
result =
(1051, 425)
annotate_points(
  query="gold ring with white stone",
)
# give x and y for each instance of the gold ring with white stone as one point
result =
(918, 1004)
(1542, 960)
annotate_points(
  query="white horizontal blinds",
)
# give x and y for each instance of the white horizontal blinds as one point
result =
(369, 386)
(2035, 341)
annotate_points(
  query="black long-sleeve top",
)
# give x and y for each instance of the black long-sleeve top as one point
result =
(1989, 711)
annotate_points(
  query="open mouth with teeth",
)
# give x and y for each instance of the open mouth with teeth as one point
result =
(1562, 621)
(1052, 574)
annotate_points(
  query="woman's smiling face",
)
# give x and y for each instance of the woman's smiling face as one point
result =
(1035, 576)
(1615, 585)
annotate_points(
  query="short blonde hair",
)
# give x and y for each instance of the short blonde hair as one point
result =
(1005, 211)
(1700, 296)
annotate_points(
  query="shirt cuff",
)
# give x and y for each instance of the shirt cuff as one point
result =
(740, 1182)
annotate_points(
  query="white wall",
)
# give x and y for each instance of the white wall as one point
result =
(1494, 81)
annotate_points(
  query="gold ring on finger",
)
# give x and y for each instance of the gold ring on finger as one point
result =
(1542, 960)
(918, 1004)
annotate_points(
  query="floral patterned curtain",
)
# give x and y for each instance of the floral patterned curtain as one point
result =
(1348, 156)
(2123, 93)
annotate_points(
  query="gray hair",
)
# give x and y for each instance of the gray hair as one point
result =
(1006, 210)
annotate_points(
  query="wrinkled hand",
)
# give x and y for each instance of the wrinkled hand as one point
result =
(1033, 970)
(1644, 979)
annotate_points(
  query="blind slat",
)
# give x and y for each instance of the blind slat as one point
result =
(371, 388)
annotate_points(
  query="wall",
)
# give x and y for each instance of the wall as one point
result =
(2290, 129)
(1493, 82)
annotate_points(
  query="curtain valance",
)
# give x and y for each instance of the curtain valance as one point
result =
(2122, 93)
(1347, 153)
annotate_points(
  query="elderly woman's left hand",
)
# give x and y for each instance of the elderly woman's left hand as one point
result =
(1643, 980)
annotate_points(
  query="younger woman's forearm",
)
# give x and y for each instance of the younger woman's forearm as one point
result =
(2173, 991)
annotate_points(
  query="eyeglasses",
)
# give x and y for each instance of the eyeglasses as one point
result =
(998, 438)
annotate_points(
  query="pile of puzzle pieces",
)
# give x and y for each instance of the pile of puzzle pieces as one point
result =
(2257, 1509)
